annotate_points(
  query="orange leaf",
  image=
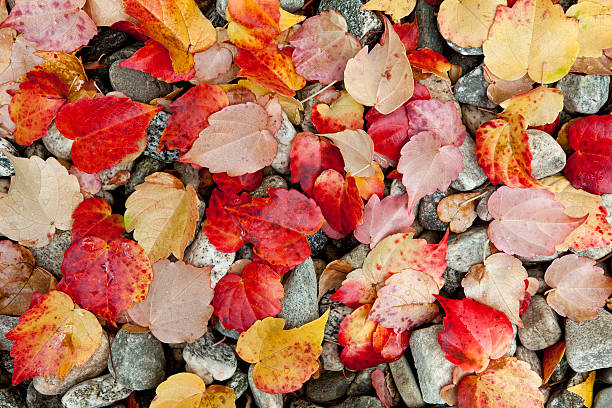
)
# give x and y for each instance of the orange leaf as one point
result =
(551, 356)
(458, 210)
(70, 70)
(430, 61)
(253, 23)
(93, 217)
(186, 390)
(372, 185)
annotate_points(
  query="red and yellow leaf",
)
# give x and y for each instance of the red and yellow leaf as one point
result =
(186, 390)
(93, 217)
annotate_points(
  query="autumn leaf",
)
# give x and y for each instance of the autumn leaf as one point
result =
(594, 26)
(584, 389)
(93, 217)
(70, 71)
(430, 61)
(41, 199)
(163, 215)
(533, 37)
(357, 151)
(579, 288)
(284, 359)
(380, 386)
(22, 60)
(344, 113)
(177, 306)
(332, 276)
(588, 167)
(106, 277)
(239, 139)
(20, 278)
(58, 26)
(506, 383)
(473, 333)
(466, 23)
(397, 9)
(501, 90)
(105, 12)
(178, 25)
(381, 78)
(408, 34)
(154, 59)
(372, 185)
(104, 130)
(219, 227)
(241, 300)
(551, 357)
(52, 337)
(187, 390)
(339, 200)
(235, 185)
(498, 283)
(458, 210)
(323, 46)
(528, 222)
(190, 115)
(382, 218)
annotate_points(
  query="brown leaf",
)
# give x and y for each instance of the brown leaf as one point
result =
(333, 275)
(458, 210)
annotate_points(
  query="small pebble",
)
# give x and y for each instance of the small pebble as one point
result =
(300, 305)
(98, 392)
(541, 328)
(202, 252)
(210, 361)
(584, 93)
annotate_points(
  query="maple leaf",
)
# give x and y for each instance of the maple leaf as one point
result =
(104, 130)
(41, 199)
(344, 113)
(271, 68)
(20, 278)
(533, 37)
(178, 25)
(93, 217)
(506, 383)
(594, 26)
(219, 227)
(466, 23)
(106, 277)
(284, 359)
(239, 139)
(579, 288)
(382, 218)
(357, 151)
(498, 283)
(241, 300)
(528, 222)
(397, 9)
(190, 115)
(323, 46)
(409, 35)
(332, 276)
(588, 167)
(502, 145)
(105, 12)
(235, 185)
(406, 301)
(154, 58)
(52, 337)
(163, 214)
(177, 306)
(277, 225)
(339, 200)
(381, 78)
(52, 25)
(186, 390)
(430, 61)
(473, 333)
(458, 210)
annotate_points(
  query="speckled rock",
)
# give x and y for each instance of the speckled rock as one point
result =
(563, 398)
(300, 305)
(304, 94)
(362, 402)
(452, 280)
(406, 383)
(274, 181)
(356, 257)
(35, 399)
(51, 256)
(472, 175)
(337, 312)
(584, 93)
(473, 117)
(98, 392)
(239, 383)
(144, 167)
(7, 323)
(154, 133)
(428, 214)
(58, 145)
(362, 383)
(440, 89)
(397, 188)
(6, 167)
(465, 249)
(284, 136)
(465, 50)
(107, 175)
(593, 253)
(603, 399)
(360, 23)
(330, 356)
(589, 343)
(209, 360)
(541, 326)
(548, 155)
(10, 398)
(202, 252)
(429, 35)
(263, 399)
(317, 242)
(329, 386)
(138, 85)
(471, 88)
(530, 357)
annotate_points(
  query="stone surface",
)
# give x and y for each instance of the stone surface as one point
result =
(51, 256)
(263, 399)
(6, 167)
(92, 368)
(605, 375)
(563, 398)
(465, 50)
(466, 62)
(589, 343)
(98, 392)
(362, 383)
(593, 253)
(465, 249)
(58, 145)
(330, 356)
(357, 255)
(300, 403)
(329, 386)
(10, 398)
(472, 175)
(584, 93)
(360, 23)
(471, 88)
(317, 242)
(304, 94)
(35, 399)
(154, 133)
(440, 89)
(239, 383)
(433, 369)
(231, 333)
(274, 181)
(300, 304)
(362, 402)
(397, 188)
(209, 360)
(473, 117)
(337, 311)
(107, 175)
(428, 214)
(530, 357)
(541, 326)
(452, 280)
(7, 323)
(202, 252)
(144, 167)
(548, 155)
(284, 136)
(105, 42)
(429, 36)
(406, 383)
(603, 399)
(138, 360)
(138, 85)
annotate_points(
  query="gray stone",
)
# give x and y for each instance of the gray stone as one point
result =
(362, 383)
(307, 93)
(564, 399)
(530, 357)
(239, 382)
(337, 312)
(603, 399)
(538, 273)
(473, 117)
(209, 360)
(300, 403)
(548, 155)
(144, 167)
(284, 136)
(51, 256)
(138, 360)
(466, 62)
(274, 181)
(584, 93)
(92, 368)
(589, 343)
(513, 345)
(429, 35)
(10, 398)
(36, 149)
(397, 188)
(263, 399)
(123, 53)
(406, 383)
(154, 133)
(7, 323)
(231, 333)
(560, 371)
(360, 23)
(539, 258)
(465, 249)
(107, 176)
(606, 200)
(300, 304)
(138, 85)
(329, 386)
(452, 280)
(330, 356)
(482, 208)
(362, 402)
(472, 89)
(472, 175)
(433, 369)
(6, 167)
(96, 393)
(317, 242)
(58, 145)
(605, 375)
(202, 252)
(440, 89)
(428, 214)
(465, 50)
(541, 326)
(593, 253)
(35, 399)
(356, 257)
(104, 43)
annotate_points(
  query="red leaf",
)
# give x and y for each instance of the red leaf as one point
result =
(339, 200)
(235, 185)
(388, 343)
(94, 217)
(104, 130)
(590, 167)
(408, 34)
(473, 333)
(254, 295)
(154, 58)
(190, 115)
(130, 28)
(106, 278)
(219, 227)
(429, 61)
(382, 391)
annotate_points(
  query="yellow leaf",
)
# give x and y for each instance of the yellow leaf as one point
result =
(595, 27)
(467, 22)
(538, 107)
(288, 20)
(585, 389)
(70, 70)
(397, 9)
(186, 390)
(284, 359)
(533, 37)
(163, 215)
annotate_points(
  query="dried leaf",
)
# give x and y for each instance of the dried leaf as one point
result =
(383, 218)
(458, 210)
(332, 276)
(186, 390)
(357, 151)
(466, 23)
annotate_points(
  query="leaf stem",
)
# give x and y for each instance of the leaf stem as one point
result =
(313, 95)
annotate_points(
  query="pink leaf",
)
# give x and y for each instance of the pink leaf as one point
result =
(383, 218)
(435, 116)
